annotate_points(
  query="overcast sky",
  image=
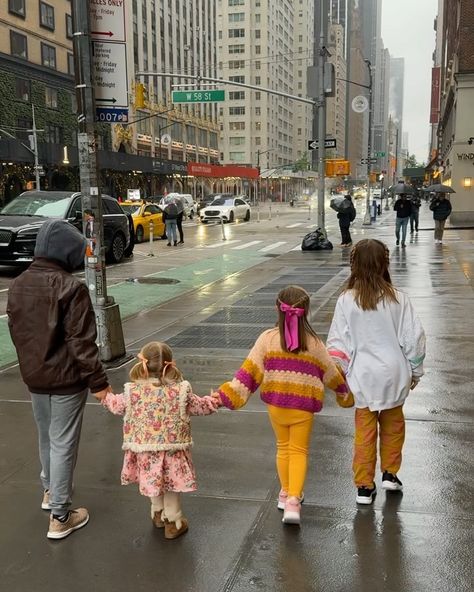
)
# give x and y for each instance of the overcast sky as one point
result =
(407, 31)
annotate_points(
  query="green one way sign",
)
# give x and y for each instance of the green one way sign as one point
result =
(198, 96)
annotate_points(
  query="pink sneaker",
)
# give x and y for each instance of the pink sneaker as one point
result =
(283, 496)
(292, 511)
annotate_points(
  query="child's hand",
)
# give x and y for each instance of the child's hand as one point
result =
(217, 398)
(100, 396)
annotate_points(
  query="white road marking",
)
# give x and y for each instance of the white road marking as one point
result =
(297, 248)
(246, 245)
(295, 225)
(272, 247)
(4, 290)
(222, 244)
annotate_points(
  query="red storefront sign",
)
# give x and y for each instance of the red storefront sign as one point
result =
(198, 169)
(435, 94)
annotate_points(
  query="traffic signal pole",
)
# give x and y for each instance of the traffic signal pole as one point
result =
(109, 327)
(322, 107)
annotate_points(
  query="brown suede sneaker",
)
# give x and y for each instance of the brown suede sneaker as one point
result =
(45, 503)
(60, 530)
(157, 520)
(172, 531)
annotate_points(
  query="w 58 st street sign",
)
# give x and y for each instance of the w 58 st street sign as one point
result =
(198, 96)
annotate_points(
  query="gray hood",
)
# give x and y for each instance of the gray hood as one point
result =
(59, 240)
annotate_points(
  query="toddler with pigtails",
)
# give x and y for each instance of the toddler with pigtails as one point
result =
(157, 404)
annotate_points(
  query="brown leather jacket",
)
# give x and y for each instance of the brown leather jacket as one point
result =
(52, 324)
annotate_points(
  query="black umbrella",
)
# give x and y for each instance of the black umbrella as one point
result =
(439, 188)
(402, 188)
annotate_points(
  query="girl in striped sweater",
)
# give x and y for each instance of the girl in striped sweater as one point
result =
(292, 368)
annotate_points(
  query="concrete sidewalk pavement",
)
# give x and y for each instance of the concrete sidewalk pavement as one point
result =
(419, 541)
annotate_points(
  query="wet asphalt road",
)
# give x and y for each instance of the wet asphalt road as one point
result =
(419, 541)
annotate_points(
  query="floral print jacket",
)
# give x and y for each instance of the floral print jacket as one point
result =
(157, 417)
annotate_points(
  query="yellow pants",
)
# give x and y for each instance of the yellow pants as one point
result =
(392, 437)
(292, 429)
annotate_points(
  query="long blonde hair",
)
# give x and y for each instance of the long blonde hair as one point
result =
(370, 276)
(155, 363)
(298, 298)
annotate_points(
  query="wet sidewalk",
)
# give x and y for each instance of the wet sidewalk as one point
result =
(416, 542)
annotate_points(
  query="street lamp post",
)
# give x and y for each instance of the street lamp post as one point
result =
(259, 153)
(160, 131)
(367, 217)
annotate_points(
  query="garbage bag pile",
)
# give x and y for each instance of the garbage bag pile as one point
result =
(316, 241)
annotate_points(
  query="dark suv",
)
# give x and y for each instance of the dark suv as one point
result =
(21, 219)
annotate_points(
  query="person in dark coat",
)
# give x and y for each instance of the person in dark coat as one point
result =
(441, 208)
(415, 213)
(345, 218)
(179, 223)
(403, 208)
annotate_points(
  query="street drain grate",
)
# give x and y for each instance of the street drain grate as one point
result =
(153, 280)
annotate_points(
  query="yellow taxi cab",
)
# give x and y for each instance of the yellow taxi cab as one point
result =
(142, 213)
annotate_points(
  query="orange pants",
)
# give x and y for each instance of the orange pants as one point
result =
(392, 437)
(292, 429)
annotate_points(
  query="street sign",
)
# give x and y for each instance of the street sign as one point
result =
(379, 154)
(198, 96)
(107, 20)
(367, 161)
(110, 77)
(328, 143)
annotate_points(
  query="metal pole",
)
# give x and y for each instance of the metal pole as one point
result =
(35, 146)
(322, 119)
(110, 334)
(367, 220)
(223, 229)
(150, 253)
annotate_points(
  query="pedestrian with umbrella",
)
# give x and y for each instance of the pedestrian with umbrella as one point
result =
(170, 216)
(441, 208)
(346, 214)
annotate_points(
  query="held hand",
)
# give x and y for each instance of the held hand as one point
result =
(100, 396)
(217, 398)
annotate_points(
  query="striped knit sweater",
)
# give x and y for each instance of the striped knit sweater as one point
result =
(291, 380)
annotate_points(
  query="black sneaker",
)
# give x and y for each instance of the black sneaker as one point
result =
(398, 242)
(365, 495)
(391, 482)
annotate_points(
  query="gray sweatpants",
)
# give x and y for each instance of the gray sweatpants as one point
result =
(59, 421)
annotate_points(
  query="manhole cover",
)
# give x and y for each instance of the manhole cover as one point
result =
(153, 280)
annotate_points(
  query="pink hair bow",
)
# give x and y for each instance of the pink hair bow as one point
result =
(292, 314)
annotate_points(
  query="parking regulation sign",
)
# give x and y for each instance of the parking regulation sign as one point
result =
(105, 115)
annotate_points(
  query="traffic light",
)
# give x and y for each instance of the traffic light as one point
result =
(140, 95)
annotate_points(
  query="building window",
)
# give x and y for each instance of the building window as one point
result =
(239, 141)
(236, 64)
(236, 17)
(236, 2)
(53, 134)
(18, 45)
(234, 33)
(257, 34)
(23, 90)
(236, 126)
(17, 7)
(239, 79)
(236, 110)
(46, 16)
(70, 64)
(23, 125)
(69, 26)
(258, 49)
(48, 56)
(51, 98)
(237, 156)
(236, 48)
(237, 95)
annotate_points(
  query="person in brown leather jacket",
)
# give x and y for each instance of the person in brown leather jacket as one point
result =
(52, 324)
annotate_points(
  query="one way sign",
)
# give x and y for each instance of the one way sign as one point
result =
(328, 143)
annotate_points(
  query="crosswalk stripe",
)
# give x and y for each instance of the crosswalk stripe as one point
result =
(297, 248)
(247, 245)
(272, 247)
(295, 225)
(222, 244)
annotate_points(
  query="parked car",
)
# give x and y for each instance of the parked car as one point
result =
(142, 214)
(21, 219)
(190, 206)
(227, 208)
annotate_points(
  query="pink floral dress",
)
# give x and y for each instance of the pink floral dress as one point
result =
(158, 471)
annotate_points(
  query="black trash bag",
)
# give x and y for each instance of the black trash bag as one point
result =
(316, 241)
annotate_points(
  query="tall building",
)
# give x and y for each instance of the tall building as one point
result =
(178, 37)
(336, 105)
(36, 68)
(382, 110)
(397, 89)
(456, 132)
(269, 44)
